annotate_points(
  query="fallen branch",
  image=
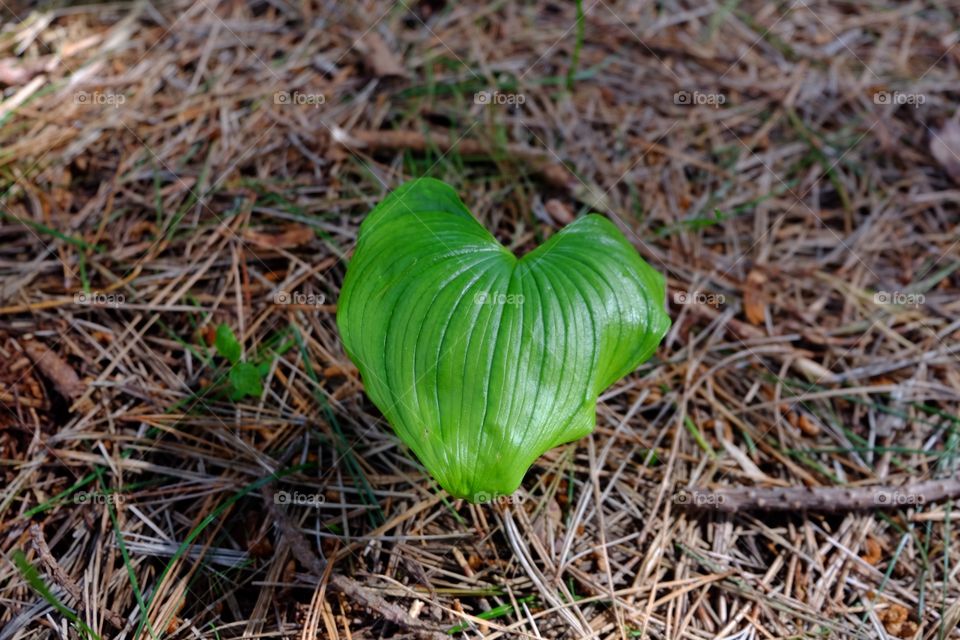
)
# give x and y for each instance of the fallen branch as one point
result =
(399, 140)
(541, 161)
(824, 499)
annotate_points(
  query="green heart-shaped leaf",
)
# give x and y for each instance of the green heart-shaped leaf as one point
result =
(480, 361)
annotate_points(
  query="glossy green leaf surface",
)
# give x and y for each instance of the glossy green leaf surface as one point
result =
(482, 361)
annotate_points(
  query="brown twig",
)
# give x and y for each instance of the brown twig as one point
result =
(60, 576)
(824, 499)
(341, 583)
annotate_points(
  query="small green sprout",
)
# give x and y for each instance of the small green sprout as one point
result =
(244, 378)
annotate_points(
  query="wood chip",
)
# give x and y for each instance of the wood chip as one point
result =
(65, 380)
(945, 149)
(807, 425)
(379, 58)
(558, 211)
(873, 552)
(753, 304)
(340, 371)
(294, 235)
(893, 618)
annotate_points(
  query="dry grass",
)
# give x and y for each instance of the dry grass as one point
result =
(148, 164)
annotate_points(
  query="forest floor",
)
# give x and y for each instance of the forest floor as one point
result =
(183, 181)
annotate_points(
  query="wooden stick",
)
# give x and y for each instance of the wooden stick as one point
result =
(824, 499)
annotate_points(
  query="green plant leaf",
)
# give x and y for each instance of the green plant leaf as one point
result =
(479, 360)
(245, 381)
(227, 344)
